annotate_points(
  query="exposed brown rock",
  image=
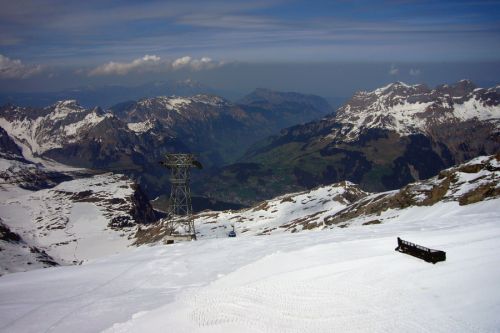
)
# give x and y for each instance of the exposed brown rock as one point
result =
(479, 194)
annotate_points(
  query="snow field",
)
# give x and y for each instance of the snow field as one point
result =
(344, 280)
(272, 214)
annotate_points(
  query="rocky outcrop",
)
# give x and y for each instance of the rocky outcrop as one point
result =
(475, 181)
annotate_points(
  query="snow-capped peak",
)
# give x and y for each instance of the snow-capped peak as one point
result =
(67, 103)
(62, 109)
(409, 109)
(39, 130)
(172, 103)
(384, 89)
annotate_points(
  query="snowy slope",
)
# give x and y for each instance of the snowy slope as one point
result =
(71, 220)
(282, 214)
(16, 255)
(338, 280)
(39, 130)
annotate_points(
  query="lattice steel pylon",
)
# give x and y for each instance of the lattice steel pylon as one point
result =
(180, 165)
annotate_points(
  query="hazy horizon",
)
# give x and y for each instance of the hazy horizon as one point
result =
(328, 48)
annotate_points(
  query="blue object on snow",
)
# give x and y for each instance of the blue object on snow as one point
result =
(231, 234)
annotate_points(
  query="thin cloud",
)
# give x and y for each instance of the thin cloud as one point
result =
(15, 69)
(393, 70)
(144, 64)
(414, 72)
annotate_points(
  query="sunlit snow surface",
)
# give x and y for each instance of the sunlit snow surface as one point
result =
(339, 280)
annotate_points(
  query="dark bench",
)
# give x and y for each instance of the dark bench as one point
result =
(421, 252)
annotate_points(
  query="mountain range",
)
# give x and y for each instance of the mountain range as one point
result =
(132, 137)
(381, 140)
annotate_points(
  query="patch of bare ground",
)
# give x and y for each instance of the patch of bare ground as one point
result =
(372, 222)
(150, 234)
(264, 205)
(307, 222)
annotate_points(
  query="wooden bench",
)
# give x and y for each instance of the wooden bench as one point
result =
(424, 253)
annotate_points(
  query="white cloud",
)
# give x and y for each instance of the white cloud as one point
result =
(393, 70)
(195, 64)
(15, 69)
(146, 63)
(150, 63)
(181, 62)
(414, 72)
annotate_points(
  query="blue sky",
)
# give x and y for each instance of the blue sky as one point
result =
(97, 39)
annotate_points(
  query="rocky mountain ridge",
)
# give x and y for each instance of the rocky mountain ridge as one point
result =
(381, 140)
(132, 137)
(217, 129)
(417, 109)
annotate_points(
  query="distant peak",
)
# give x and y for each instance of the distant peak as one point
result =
(391, 86)
(458, 88)
(260, 90)
(67, 103)
(70, 104)
(465, 83)
(209, 99)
